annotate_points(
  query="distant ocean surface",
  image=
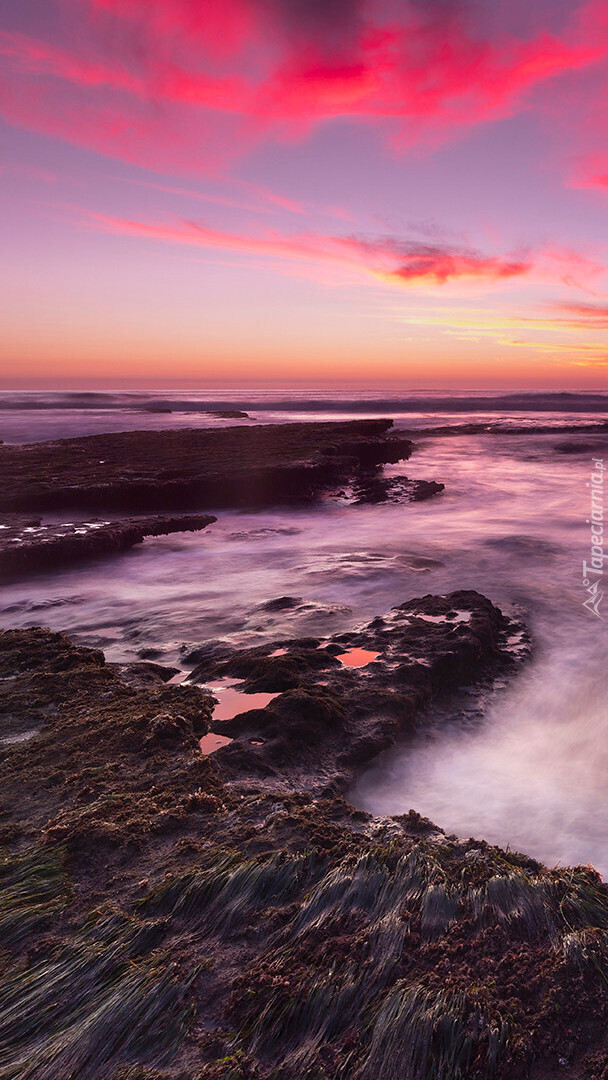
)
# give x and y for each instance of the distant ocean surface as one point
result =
(512, 523)
(36, 416)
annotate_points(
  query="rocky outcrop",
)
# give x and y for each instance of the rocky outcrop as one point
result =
(27, 546)
(230, 414)
(500, 427)
(194, 469)
(374, 487)
(329, 718)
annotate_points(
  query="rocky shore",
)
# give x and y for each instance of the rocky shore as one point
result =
(171, 914)
(193, 469)
(341, 701)
(154, 472)
(28, 545)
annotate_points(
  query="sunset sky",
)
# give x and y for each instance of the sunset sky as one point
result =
(225, 191)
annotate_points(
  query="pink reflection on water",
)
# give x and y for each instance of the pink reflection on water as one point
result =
(231, 702)
(357, 657)
(212, 742)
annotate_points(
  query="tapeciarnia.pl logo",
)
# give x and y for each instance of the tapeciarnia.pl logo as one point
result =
(593, 571)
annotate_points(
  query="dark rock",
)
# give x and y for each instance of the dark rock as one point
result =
(376, 488)
(424, 489)
(282, 603)
(260, 672)
(37, 649)
(329, 719)
(498, 427)
(333, 648)
(150, 653)
(230, 414)
(192, 468)
(91, 732)
(172, 730)
(146, 674)
(208, 652)
(310, 714)
(368, 453)
(26, 549)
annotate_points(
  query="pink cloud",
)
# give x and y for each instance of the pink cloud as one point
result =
(386, 259)
(198, 84)
(591, 171)
(218, 200)
(589, 316)
(28, 56)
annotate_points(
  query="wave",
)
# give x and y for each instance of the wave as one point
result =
(277, 401)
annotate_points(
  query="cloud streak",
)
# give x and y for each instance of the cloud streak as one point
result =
(589, 316)
(387, 260)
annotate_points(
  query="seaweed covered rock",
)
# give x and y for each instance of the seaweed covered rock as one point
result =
(166, 915)
(74, 734)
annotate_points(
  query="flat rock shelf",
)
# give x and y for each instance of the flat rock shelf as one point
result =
(27, 546)
(193, 469)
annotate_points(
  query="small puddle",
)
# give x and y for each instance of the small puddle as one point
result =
(212, 742)
(231, 702)
(357, 657)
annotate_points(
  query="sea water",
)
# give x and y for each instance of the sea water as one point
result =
(511, 523)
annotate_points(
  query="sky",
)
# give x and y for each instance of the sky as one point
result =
(404, 192)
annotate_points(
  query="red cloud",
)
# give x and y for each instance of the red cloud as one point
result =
(592, 171)
(591, 316)
(390, 260)
(193, 84)
(445, 265)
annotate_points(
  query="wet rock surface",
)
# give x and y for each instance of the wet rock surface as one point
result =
(28, 546)
(169, 915)
(376, 488)
(183, 470)
(193, 468)
(329, 718)
(500, 427)
(230, 414)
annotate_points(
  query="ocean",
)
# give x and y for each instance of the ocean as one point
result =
(513, 522)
